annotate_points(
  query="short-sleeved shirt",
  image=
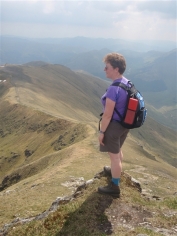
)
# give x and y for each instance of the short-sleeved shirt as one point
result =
(118, 95)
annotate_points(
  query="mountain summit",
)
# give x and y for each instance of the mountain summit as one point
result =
(48, 137)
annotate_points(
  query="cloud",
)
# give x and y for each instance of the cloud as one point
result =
(49, 8)
(108, 19)
(165, 9)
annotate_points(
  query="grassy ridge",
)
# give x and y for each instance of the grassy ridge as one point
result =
(57, 89)
(48, 135)
(48, 88)
(27, 135)
(43, 176)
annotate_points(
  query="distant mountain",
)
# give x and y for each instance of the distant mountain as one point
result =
(22, 50)
(36, 63)
(157, 81)
(92, 61)
(89, 44)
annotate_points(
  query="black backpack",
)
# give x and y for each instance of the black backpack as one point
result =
(135, 112)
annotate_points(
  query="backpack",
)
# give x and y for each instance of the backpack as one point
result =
(135, 112)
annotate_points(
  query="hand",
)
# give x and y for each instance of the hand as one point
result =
(100, 138)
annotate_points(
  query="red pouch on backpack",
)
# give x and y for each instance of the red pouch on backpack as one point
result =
(132, 107)
(130, 116)
(133, 103)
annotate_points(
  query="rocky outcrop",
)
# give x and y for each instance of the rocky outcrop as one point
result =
(119, 213)
(79, 184)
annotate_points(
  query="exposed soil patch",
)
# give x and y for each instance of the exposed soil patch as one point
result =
(126, 215)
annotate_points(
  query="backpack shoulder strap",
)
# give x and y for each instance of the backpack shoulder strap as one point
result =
(126, 88)
(131, 90)
(119, 84)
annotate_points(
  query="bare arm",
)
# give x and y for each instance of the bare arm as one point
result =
(109, 108)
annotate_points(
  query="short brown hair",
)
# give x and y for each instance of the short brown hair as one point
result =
(116, 60)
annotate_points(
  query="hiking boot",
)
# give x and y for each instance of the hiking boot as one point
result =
(110, 189)
(107, 171)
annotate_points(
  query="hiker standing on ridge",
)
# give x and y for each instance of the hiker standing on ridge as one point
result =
(112, 134)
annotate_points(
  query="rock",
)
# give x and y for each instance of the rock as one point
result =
(99, 175)
(76, 194)
(79, 184)
(156, 198)
(28, 152)
(132, 182)
(81, 187)
(60, 201)
(90, 181)
(74, 182)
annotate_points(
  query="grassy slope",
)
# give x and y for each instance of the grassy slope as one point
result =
(35, 193)
(49, 88)
(27, 135)
(158, 139)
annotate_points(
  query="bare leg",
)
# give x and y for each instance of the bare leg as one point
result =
(116, 168)
(121, 155)
(116, 164)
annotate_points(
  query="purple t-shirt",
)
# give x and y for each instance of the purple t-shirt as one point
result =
(118, 95)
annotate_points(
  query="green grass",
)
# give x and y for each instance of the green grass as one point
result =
(47, 172)
(89, 214)
(69, 147)
(171, 203)
(35, 131)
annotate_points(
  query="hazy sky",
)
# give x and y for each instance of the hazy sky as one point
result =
(141, 19)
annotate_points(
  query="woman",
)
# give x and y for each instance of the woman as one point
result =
(112, 135)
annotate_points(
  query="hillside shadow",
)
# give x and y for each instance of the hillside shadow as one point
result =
(90, 218)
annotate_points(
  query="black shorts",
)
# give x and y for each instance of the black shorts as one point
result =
(114, 137)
